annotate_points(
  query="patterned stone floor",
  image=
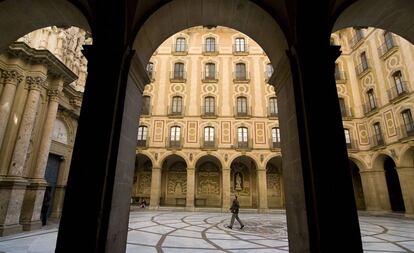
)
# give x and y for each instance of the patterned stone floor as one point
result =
(184, 232)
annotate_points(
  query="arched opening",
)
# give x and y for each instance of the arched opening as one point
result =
(393, 185)
(357, 183)
(274, 182)
(141, 189)
(243, 181)
(208, 182)
(174, 181)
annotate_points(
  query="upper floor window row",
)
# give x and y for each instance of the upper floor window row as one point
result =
(210, 45)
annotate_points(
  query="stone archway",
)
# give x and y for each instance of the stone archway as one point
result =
(173, 181)
(357, 183)
(208, 182)
(141, 189)
(243, 181)
(274, 180)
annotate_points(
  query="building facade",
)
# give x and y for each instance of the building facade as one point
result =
(42, 80)
(209, 124)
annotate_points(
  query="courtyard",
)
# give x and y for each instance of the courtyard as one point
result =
(178, 231)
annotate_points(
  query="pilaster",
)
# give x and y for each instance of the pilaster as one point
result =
(262, 186)
(375, 190)
(226, 189)
(190, 189)
(155, 188)
(406, 176)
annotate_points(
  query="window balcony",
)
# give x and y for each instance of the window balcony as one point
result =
(406, 130)
(272, 112)
(377, 141)
(240, 49)
(208, 111)
(178, 76)
(174, 144)
(241, 77)
(245, 113)
(398, 91)
(143, 144)
(175, 112)
(362, 69)
(274, 145)
(340, 76)
(244, 145)
(208, 145)
(210, 50)
(179, 50)
(387, 48)
(370, 108)
(146, 111)
(210, 77)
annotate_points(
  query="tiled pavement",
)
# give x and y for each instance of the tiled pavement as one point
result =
(183, 232)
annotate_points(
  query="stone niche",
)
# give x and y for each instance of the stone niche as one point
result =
(208, 185)
(176, 185)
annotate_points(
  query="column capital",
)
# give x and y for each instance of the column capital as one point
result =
(54, 94)
(35, 82)
(11, 76)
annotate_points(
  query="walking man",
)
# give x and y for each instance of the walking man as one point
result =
(235, 210)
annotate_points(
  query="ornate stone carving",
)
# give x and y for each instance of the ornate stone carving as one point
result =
(208, 178)
(11, 76)
(54, 94)
(144, 183)
(35, 82)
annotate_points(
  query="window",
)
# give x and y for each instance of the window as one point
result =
(209, 136)
(146, 105)
(275, 135)
(273, 110)
(180, 45)
(179, 70)
(175, 136)
(398, 81)
(364, 61)
(371, 100)
(378, 134)
(359, 34)
(210, 71)
(210, 44)
(389, 40)
(342, 107)
(177, 105)
(338, 75)
(142, 136)
(241, 106)
(240, 45)
(241, 71)
(347, 137)
(408, 122)
(269, 71)
(242, 136)
(209, 106)
(150, 70)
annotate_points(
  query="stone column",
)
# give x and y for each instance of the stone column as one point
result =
(26, 126)
(262, 187)
(406, 176)
(226, 189)
(190, 189)
(33, 199)
(155, 188)
(375, 190)
(11, 80)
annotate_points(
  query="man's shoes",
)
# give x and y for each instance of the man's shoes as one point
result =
(242, 227)
(229, 227)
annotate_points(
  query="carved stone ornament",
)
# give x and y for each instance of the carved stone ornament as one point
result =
(11, 76)
(35, 82)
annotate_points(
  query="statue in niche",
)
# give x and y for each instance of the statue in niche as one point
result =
(238, 182)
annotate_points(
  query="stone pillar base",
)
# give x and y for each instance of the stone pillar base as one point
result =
(189, 208)
(10, 229)
(153, 208)
(33, 225)
(32, 204)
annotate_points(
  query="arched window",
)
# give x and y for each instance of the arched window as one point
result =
(178, 70)
(146, 105)
(209, 133)
(273, 110)
(338, 75)
(240, 45)
(347, 138)
(142, 136)
(359, 34)
(242, 137)
(241, 71)
(60, 132)
(150, 70)
(177, 105)
(378, 139)
(399, 83)
(389, 40)
(209, 105)
(241, 106)
(210, 71)
(408, 122)
(372, 102)
(276, 137)
(175, 136)
(364, 61)
(269, 71)
(342, 107)
(180, 45)
(210, 45)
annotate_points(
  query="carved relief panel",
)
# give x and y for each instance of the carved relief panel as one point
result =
(177, 180)
(208, 179)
